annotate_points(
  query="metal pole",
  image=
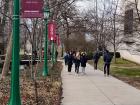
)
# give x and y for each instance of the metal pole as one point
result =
(52, 52)
(15, 89)
(45, 69)
(62, 50)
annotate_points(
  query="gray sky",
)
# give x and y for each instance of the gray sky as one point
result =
(89, 4)
(84, 5)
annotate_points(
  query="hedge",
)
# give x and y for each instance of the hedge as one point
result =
(90, 55)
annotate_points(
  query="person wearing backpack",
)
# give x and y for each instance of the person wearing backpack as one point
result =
(96, 57)
(107, 61)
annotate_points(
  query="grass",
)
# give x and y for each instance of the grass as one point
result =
(122, 68)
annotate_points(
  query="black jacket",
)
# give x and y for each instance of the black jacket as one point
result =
(96, 57)
(70, 59)
(83, 60)
(107, 58)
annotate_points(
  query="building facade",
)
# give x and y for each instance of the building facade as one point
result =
(130, 46)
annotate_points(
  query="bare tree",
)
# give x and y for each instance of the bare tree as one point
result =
(6, 66)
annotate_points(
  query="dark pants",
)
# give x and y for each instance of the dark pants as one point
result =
(77, 64)
(107, 69)
(77, 68)
(69, 67)
(66, 62)
(95, 65)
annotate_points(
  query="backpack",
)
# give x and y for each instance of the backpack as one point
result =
(96, 56)
(108, 58)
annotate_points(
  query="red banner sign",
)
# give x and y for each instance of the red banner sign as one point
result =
(52, 31)
(55, 38)
(32, 8)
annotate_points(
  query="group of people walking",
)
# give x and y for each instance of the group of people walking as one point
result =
(107, 60)
(78, 58)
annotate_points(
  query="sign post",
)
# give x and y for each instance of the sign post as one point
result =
(30, 9)
(15, 88)
(54, 56)
(46, 16)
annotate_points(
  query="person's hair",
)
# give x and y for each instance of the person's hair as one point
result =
(107, 51)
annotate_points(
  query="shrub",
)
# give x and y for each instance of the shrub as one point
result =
(90, 55)
(117, 54)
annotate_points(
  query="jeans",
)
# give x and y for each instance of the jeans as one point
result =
(69, 68)
(83, 69)
(107, 69)
(95, 65)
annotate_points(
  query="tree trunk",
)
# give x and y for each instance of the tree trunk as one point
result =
(114, 44)
(67, 47)
(7, 59)
(114, 53)
(8, 55)
(40, 47)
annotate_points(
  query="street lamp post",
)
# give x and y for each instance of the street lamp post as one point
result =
(62, 50)
(15, 88)
(45, 68)
(52, 52)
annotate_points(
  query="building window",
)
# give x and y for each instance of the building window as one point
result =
(128, 22)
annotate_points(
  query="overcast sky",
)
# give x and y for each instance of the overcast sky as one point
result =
(84, 5)
(89, 4)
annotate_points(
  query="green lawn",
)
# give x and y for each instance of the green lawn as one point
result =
(122, 68)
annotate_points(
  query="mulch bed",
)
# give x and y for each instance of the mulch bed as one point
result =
(41, 91)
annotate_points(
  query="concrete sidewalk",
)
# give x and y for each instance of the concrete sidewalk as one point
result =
(94, 88)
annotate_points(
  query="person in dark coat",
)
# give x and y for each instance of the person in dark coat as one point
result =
(96, 57)
(77, 62)
(66, 58)
(107, 61)
(83, 60)
(74, 59)
(70, 61)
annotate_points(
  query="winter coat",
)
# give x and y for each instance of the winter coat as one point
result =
(77, 62)
(96, 57)
(107, 58)
(77, 59)
(70, 59)
(66, 57)
(83, 60)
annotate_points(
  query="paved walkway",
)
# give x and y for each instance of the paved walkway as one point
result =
(95, 89)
